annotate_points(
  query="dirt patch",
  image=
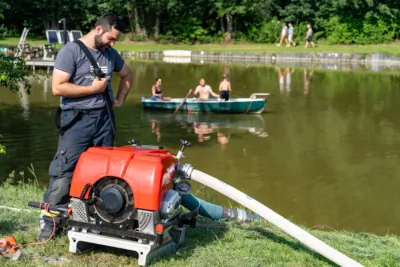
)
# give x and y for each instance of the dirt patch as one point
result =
(126, 40)
(228, 42)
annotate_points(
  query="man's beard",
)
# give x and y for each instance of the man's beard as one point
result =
(99, 44)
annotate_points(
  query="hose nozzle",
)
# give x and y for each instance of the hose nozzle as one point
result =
(239, 215)
(184, 171)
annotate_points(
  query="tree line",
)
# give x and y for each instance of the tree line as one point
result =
(214, 21)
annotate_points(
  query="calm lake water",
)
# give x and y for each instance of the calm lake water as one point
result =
(325, 152)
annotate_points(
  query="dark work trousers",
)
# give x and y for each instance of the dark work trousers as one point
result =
(88, 128)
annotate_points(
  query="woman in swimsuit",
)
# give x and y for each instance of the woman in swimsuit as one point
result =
(156, 92)
(225, 88)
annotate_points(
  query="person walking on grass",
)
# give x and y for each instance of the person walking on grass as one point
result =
(309, 36)
(290, 35)
(283, 35)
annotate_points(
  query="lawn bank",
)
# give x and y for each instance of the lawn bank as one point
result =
(255, 53)
(255, 244)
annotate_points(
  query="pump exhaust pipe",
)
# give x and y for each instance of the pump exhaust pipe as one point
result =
(186, 171)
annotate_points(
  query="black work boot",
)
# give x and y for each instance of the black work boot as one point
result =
(239, 215)
(47, 229)
(45, 234)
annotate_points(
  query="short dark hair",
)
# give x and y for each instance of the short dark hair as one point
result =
(109, 21)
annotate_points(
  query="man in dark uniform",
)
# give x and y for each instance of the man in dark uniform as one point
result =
(87, 117)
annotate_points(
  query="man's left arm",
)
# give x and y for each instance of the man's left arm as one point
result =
(124, 85)
(213, 93)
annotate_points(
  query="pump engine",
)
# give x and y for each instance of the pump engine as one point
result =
(125, 197)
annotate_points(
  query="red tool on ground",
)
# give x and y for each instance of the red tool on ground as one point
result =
(8, 248)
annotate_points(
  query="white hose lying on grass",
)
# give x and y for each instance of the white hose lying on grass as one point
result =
(17, 209)
(273, 217)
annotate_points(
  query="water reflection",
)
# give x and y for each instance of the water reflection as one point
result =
(24, 101)
(206, 128)
(203, 130)
(46, 89)
(183, 60)
(155, 128)
(307, 80)
(373, 65)
(285, 79)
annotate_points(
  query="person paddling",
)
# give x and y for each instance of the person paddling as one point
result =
(225, 88)
(204, 90)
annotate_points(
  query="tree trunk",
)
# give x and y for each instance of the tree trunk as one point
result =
(143, 29)
(55, 25)
(221, 19)
(45, 25)
(229, 24)
(157, 25)
(138, 30)
(50, 24)
(131, 16)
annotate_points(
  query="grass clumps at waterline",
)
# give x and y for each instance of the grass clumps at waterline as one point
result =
(254, 244)
(128, 46)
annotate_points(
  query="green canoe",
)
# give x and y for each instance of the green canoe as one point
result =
(252, 105)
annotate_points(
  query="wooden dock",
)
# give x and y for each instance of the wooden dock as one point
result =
(40, 63)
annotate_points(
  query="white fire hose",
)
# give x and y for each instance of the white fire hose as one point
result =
(188, 172)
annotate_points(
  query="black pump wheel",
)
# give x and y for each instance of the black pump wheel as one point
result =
(115, 202)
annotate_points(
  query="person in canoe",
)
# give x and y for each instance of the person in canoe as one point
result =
(156, 92)
(204, 91)
(225, 88)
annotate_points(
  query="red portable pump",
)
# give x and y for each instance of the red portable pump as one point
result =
(126, 197)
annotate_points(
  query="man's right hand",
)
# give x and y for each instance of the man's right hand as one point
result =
(99, 85)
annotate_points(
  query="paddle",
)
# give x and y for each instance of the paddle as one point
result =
(183, 101)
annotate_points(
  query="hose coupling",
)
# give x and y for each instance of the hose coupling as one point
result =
(184, 171)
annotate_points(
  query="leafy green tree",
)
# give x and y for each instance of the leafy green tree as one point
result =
(14, 73)
(2, 148)
(3, 6)
(191, 21)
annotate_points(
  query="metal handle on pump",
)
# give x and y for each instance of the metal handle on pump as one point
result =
(184, 145)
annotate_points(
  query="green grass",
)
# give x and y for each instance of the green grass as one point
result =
(254, 244)
(392, 48)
